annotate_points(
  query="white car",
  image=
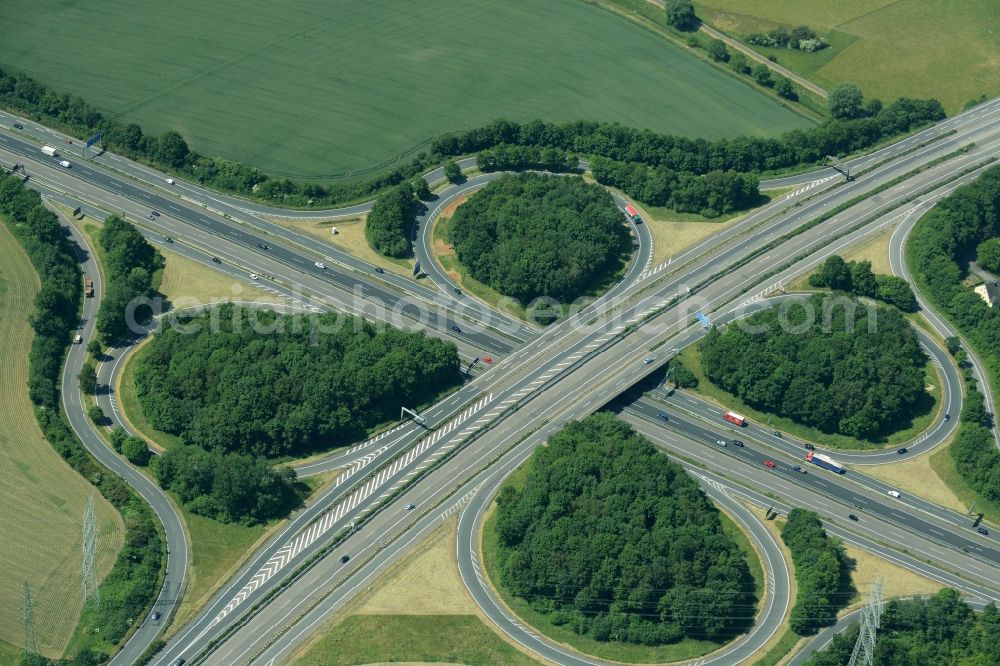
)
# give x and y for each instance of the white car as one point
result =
(648, 359)
(319, 264)
(893, 493)
(170, 181)
(253, 276)
(721, 442)
(64, 164)
(78, 339)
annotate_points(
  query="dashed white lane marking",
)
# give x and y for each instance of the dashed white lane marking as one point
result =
(326, 521)
(807, 187)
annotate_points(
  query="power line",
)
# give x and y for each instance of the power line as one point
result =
(30, 639)
(91, 589)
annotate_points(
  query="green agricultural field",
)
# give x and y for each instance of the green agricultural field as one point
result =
(41, 497)
(948, 49)
(338, 89)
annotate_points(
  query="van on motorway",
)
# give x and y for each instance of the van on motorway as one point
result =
(78, 339)
(170, 181)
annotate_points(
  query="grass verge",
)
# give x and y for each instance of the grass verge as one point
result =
(350, 238)
(413, 639)
(219, 549)
(919, 477)
(943, 465)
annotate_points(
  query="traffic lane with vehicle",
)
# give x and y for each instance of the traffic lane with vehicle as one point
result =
(780, 492)
(175, 573)
(640, 341)
(212, 198)
(819, 481)
(344, 279)
(652, 406)
(937, 432)
(247, 218)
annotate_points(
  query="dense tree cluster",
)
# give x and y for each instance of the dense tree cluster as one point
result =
(942, 630)
(135, 449)
(829, 363)
(801, 38)
(58, 299)
(680, 15)
(227, 487)
(822, 577)
(747, 154)
(130, 587)
(856, 277)
(613, 540)
(939, 248)
(988, 254)
(974, 450)
(532, 235)
(130, 263)
(711, 195)
(390, 222)
(506, 157)
(265, 384)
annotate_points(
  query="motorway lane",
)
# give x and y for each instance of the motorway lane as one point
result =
(210, 198)
(175, 573)
(897, 542)
(853, 488)
(472, 320)
(543, 379)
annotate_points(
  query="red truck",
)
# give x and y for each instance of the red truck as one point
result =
(733, 417)
(633, 213)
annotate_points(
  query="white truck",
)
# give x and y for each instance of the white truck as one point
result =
(49, 150)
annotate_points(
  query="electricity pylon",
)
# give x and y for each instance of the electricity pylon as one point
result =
(30, 639)
(91, 591)
(871, 616)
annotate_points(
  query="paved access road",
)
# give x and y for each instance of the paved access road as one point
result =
(612, 365)
(744, 244)
(164, 508)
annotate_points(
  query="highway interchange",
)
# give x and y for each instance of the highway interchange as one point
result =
(541, 373)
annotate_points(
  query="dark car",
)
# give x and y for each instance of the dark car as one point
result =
(216, 260)
(263, 246)
(18, 126)
(458, 291)
(776, 433)
(810, 447)
(737, 442)
(456, 329)
(852, 517)
(983, 531)
(344, 558)
(154, 213)
(947, 417)
(662, 415)
(168, 239)
(379, 270)
(901, 451)
(156, 615)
